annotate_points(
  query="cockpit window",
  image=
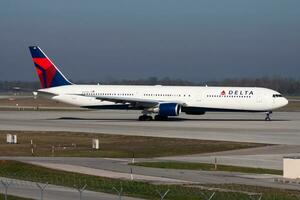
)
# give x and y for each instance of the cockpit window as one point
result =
(277, 95)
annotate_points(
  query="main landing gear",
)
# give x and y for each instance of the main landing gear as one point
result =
(268, 116)
(150, 118)
(145, 118)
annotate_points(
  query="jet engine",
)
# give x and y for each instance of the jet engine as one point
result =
(169, 109)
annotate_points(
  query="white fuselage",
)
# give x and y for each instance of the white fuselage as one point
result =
(218, 98)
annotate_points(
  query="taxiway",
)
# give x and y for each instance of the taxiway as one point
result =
(239, 127)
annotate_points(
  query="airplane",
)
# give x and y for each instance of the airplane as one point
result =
(158, 100)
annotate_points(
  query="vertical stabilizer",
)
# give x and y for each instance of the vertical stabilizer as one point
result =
(48, 73)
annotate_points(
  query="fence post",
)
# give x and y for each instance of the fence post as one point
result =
(120, 192)
(216, 163)
(5, 185)
(131, 174)
(208, 197)
(163, 195)
(133, 161)
(211, 196)
(42, 188)
(80, 190)
(255, 196)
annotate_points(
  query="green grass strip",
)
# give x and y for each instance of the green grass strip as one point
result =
(10, 197)
(23, 171)
(208, 167)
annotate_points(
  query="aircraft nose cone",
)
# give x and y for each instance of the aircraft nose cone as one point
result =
(285, 102)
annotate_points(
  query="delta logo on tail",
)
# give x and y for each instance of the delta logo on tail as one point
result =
(48, 73)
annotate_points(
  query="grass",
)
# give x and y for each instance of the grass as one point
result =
(114, 146)
(207, 167)
(12, 197)
(19, 170)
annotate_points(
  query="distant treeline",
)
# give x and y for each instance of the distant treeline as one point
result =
(287, 86)
(24, 85)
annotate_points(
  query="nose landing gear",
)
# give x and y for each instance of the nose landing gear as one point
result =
(268, 116)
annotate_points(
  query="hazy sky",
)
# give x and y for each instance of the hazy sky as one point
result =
(131, 39)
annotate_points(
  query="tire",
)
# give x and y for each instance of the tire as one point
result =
(145, 118)
(142, 118)
(149, 118)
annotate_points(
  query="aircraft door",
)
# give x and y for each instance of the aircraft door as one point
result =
(200, 97)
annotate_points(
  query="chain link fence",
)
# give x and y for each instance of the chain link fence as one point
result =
(121, 190)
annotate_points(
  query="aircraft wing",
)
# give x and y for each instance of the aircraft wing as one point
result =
(135, 102)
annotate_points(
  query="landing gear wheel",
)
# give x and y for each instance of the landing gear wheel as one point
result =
(160, 118)
(149, 118)
(145, 118)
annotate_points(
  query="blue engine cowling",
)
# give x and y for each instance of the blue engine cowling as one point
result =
(169, 109)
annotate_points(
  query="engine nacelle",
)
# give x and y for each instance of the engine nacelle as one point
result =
(169, 109)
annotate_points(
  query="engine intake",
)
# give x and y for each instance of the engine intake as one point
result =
(169, 109)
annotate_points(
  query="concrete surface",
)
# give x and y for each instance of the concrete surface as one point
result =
(269, 157)
(240, 127)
